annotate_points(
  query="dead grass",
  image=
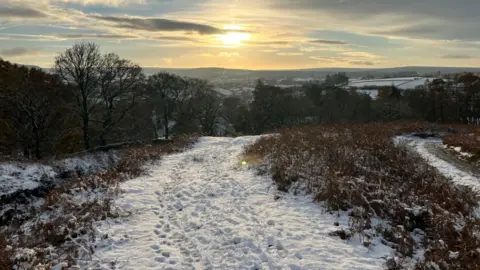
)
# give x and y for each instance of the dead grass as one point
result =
(6, 253)
(253, 159)
(67, 222)
(468, 140)
(358, 167)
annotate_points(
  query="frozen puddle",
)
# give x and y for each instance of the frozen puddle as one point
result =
(200, 210)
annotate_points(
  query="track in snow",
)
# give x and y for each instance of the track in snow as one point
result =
(200, 210)
(433, 152)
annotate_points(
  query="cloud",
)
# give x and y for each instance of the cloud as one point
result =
(339, 60)
(20, 12)
(274, 44)
(360, 54)
(328, 59)
(432, 31)
(457, 56)
(280, 42)
(174, 38)
(207, 55)
(61, 37)
(228, 55)
(323, 48)
(326, 41)
(362, 63)
(124, 37)
(96, 36)
(18, 51)
(101, 2)
(159, 25)
(425, 19)
(25, 37)
(167, 60)
(289, 53)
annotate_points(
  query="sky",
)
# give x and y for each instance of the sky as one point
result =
(247, 34)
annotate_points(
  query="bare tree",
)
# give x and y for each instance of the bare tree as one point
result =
(204, 105)
(29, 103)
(120, 82)
(165, 88)
(79, 66)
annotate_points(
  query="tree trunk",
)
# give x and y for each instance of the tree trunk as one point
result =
(37, 145)
(103, 140)
(86, 139)
(434, 108)
(86, 120)
(106, 129)
(442, 120)
(165, 118)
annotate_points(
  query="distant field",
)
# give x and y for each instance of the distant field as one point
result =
(402, 83)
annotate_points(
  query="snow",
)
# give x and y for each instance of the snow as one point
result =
(223, 91)
(28, 176)
(90, 163)
(449, 170)
(373, 93)
(458, 149)
(201, 209)
(402, 83)
(15, 176)
(414, 83)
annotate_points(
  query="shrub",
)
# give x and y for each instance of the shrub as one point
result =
(359, 168)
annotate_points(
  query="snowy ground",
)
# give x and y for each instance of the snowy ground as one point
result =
(17, 176)
(450, 166)
(201, 209)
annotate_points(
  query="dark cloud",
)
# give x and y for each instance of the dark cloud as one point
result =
(158, 25)
(362, 63)
(269, 42)
(425, 19)
(96, 36)
(20, 12)
(174, 38)
(457, 56)
(430, 8)
(121, 36)
(330, 42)
(433, 32)
(18, 51)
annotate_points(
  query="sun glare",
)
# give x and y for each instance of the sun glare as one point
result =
(233, 36)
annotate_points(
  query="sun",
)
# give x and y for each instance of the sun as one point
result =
(233, 35)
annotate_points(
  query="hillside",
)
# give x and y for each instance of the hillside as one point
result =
(210, 73)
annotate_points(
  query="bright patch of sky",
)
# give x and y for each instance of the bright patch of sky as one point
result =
(270, 34)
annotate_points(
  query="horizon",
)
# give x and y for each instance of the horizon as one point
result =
(292, 69)
(245, 34)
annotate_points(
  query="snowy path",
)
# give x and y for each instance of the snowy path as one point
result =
(201, 210)
(447, 164)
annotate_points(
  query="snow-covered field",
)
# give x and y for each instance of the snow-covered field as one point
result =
(201, 209)
(371, 92)
(402, 83)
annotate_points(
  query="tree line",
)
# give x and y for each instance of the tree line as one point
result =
(454, 99)
(91, 99)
